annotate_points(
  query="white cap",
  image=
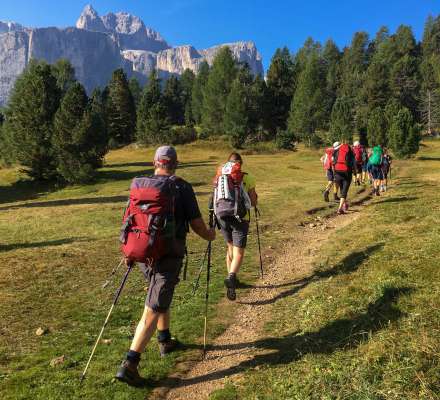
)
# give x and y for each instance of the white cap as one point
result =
(356, 143)
(336, 145)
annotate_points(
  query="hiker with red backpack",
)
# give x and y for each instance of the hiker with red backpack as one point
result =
(344, 164)
(360, 156)
(234, 195)
(160, 211)
(327, 162)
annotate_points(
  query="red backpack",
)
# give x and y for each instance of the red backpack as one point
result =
(148, 230)
(328, 159)
(343, 158)
(359, 153)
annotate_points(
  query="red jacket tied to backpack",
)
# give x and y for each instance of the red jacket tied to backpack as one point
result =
(359, 153)
(148, 230)
(343, 159)
(328, 159)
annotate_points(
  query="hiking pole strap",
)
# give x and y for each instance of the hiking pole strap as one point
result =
(106, 283)
(185, 267)
(257, 212)
(115, 300)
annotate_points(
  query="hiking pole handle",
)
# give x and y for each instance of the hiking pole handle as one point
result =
(115, 300)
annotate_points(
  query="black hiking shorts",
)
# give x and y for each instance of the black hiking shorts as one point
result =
(234, 231)
(330, 175)
(163, 278)
(343, 179)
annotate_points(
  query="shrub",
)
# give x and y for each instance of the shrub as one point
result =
(285, 140)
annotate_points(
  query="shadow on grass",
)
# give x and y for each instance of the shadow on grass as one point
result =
(47, 243)
(397, 199)
(426, 158)
(348, 265)
(69, 202)
(26, 190)
(346, 333)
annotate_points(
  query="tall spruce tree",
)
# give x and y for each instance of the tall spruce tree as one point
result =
(120, 110)
(341, 125)
(308, 105)
(187, 83)
(64, 73)
(404, 134)
(78, 137)
(281, 81)
(197, 92)
(236, 120)
(135, 90)
(172, 95)
(377, 130)
(29, 120)
(215, 94)
(152, 122)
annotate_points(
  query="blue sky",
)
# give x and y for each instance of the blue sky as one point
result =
(270, 24)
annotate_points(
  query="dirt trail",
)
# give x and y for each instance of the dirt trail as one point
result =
(283, 277)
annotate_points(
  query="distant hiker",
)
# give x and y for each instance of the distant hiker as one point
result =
(360, 156)
(344, 164)
(386, 169)
(375, 163)
(176, 197)
(234, 195)
(327, 162)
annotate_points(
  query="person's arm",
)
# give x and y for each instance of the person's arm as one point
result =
(253, 196)
(200, 228)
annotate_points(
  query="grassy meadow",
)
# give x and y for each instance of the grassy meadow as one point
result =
(58, 246)
(369, 327)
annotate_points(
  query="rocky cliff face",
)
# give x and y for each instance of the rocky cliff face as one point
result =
(99, 45)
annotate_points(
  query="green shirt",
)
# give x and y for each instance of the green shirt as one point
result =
(249, 182)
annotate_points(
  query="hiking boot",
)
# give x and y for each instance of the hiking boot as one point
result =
(168, 346)
(345, 207)
(377, 192)
(326, 198)
(128, 373)
(231, 283)
(340, 212)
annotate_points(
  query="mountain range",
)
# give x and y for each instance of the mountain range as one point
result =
(98, 45)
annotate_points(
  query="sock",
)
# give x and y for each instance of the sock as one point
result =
(163, 336)
(133, 356)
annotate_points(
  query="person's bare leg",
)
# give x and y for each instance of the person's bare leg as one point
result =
(229, 255)
(163, 322)
(341, 204)
(145, 330)
(237, 259)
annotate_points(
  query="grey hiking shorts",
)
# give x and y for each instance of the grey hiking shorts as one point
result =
(234, 231)
(163, 278)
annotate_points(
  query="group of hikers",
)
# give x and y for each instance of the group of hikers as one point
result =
(162, 208)
(344, 163)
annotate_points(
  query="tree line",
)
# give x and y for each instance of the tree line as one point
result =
(384, 90)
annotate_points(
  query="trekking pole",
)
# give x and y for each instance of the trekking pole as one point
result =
(257, 213)
(106, 283)
(117, 294)
(208, 277)
(197, 281)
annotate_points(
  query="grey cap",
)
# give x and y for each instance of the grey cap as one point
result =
(166, 154)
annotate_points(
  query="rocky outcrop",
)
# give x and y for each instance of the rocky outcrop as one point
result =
(98, 45)
(129, 30)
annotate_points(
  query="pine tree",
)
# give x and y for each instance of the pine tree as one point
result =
(152, 121)
(376, 90)
(215, 94)
(29, 120)
(307, 110)
(259, 107)
(377, 128)
(341, 125)
(120, 110)
(281, 81)
(173, 99)
(78, 140)
(187, 82)
(404, 134)
(331, 57)
(135, 90)
(64, 73)
(237, 113)
(197, 92)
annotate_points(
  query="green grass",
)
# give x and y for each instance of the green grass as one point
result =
(59, 244)
(369, 326)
